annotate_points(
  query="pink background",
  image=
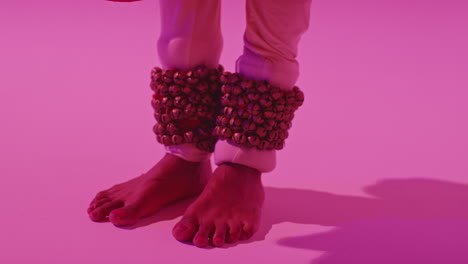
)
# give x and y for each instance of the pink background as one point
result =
(375, 169)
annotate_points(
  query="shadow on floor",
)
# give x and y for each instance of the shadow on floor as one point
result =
(168, 212)
(408, 221)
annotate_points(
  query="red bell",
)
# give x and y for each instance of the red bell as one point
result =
(158, 129)
(166, 140)
(202, 87)
(201, 71)
(233, 78)
(247, 84)
(239, 138)
(278, 144)
(174, 90)
(265, 100)
(225, 120)
(272, 135)
(180, 101)
(188, 136)
(236, 90)
(165, 118)
(226, 88)
(194, 97)
(254, 109)
(269, 115)
(258, 119)
(228, 111)
(177, 139)
(216, 131)
(225, 132)
(262, 88)
(261, 132)
(263, 145)
(180, 77)
(167, 101)
(171, 128)
(235, 121)
(186, 89)
(253, 140)
(176, 114)
(206, 99)
(254, 96)
(224, 78)
(167, 79)
(248, 126)
(192, 80)
(157, 116)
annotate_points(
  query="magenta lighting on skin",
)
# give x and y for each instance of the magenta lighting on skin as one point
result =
(233, 131)
(241, 118)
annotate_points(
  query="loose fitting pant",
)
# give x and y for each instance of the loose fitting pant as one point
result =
(191, 35)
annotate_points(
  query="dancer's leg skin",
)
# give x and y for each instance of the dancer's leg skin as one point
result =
(227, 210)
(187, 25)
(190, 33)
(229, 207)
(171, 179)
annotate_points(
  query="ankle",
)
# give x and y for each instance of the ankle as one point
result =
(242, 172)
(245, 168)
(180, 160)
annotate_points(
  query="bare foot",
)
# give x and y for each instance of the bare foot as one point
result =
(171, 179)
(228, 209)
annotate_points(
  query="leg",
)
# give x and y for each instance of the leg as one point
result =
(184, 170)
(229, 207)
(190, 36)
(271, 40)
(274, 28)
(190, 33)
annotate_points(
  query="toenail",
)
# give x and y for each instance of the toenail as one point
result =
(200, 240)
(218, 240)
(232, 238)
(120, 213)
(181, 227)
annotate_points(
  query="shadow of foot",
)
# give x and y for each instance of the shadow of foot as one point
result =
(168, 212)
(408, 221)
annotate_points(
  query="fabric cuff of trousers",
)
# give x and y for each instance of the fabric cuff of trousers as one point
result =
(185, 105)
(254, 113)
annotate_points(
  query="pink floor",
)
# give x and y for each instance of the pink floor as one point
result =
(375, 169)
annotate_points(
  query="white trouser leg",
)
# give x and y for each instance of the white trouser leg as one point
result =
(190, 36)
(274, 28)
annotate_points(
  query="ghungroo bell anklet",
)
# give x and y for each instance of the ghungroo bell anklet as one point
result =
(255, 113)
(185, 105)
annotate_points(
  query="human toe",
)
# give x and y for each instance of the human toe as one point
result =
(102, 211)
(202, 237)
(248, 229)
(219, 236)
(185, 229)
(234, 232)
(124, 216)
(96, 203)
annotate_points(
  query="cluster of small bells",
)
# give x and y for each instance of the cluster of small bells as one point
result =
(203, 104)
(186, 104)
(255, 113)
